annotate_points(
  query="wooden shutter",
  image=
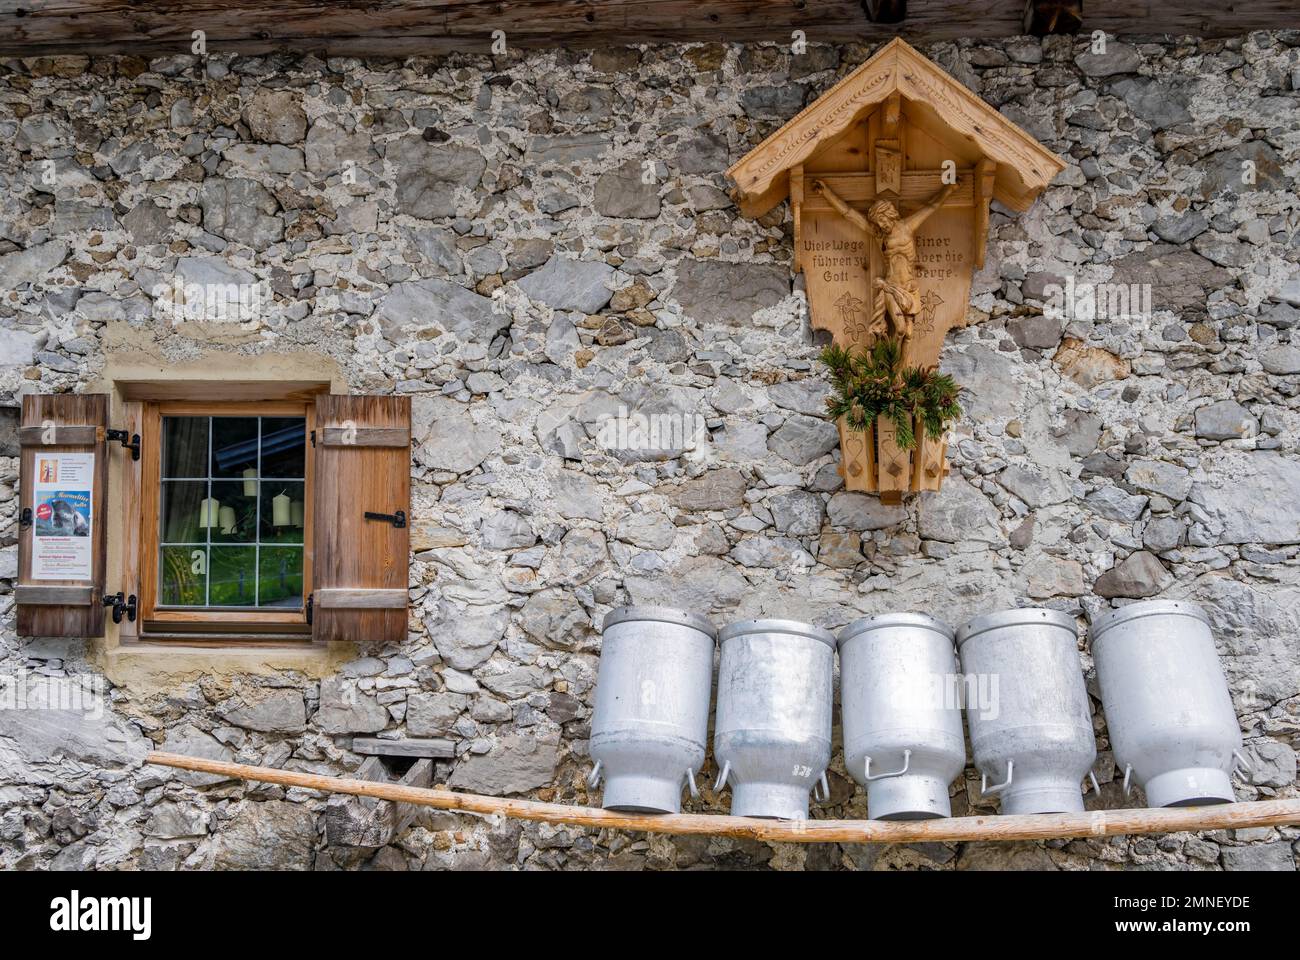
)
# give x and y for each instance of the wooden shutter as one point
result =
(359, 568)
(69, 424)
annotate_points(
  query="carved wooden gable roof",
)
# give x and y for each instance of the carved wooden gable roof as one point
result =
(1024, 166)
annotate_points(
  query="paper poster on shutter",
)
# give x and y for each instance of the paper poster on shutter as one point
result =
(63, 516)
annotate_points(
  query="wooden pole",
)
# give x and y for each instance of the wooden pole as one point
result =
(1097, 823)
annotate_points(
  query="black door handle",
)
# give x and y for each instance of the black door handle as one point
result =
(397, 519)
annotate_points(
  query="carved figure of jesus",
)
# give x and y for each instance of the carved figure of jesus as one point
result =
(899, 295)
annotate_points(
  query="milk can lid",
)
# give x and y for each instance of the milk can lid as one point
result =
(1146, 608)
(682, 618)
(795, 627)
(1022, 617)
(880, 621)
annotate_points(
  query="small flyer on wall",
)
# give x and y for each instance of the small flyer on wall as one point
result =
(61, 507)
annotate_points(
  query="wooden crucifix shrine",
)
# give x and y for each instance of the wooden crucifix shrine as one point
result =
(889, 175)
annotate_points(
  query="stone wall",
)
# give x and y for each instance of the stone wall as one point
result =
(379, 206)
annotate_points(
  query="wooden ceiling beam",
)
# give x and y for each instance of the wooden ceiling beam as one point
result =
(416, 27)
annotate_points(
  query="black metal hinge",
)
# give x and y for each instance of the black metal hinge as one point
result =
(311, 597)
(25, 518)
(121, 604)
(313, 438)
(129, 440)
(397, 519)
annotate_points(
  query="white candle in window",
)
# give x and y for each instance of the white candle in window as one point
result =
(295, 513)
(210, 513)
(227, 515)
(280, 510)
(250, 482)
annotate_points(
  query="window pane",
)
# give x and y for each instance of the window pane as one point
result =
(280, 577)
(282, 511)
(182, 576)
(183, 519)
(236, 511)
(232, 577)
(284, 447)
(234, 446)
(185, 447)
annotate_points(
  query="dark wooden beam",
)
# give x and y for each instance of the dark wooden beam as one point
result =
(400, 28)
(1053, 16)
(886, 11)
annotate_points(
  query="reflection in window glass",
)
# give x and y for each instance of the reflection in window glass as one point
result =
(232, 512)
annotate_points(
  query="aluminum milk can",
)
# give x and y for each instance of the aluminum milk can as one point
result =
(900, 697)
(651, 722)
(1030, 723)
(772, 734)
(1171, 720)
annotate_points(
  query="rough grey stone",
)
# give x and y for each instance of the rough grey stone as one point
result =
(515, 764)
(716, 490)
(1225, 420)
(267, 711)
(266, 835)
(860, 511)
(576, 496)
(568, 284)
(429, 175)
(242, 211)
(446, 437)
(466, 639)
(32, 264)
(1257, 503)
(961, 514)
(1156, 476)
(1117, 58)
(1163, 533)
(1138, 575)
(442, 306)
(552, 619)
(802, 396)
(1158, 102)
(1037, 489)
(803, 439)
(1037, 331)
(345, 709)
(276, 116)
(711, 291)
(621, 192)
(1275, 856)
(798, 513)
(1282, 360)
(434, 714)
(653, 531)
(1114, 504)
(506, 530)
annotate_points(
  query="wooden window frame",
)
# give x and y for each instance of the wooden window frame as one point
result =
(203, 624)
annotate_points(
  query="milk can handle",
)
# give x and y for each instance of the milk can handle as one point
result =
(1128, 774)
(690, 781)
(1096, 790)
(987, 791)
(1243, 760)
(722, 777)
(824, 787)
(907, 762)
(593, 778)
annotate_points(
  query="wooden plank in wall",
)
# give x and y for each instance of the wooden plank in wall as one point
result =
(360, 566)
(51, 607)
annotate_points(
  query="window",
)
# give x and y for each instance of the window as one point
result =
(226, 518)
(265, 511)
